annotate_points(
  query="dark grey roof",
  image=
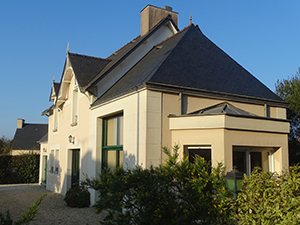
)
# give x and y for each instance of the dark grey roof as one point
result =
(44, 139)
(56, 89)
(189, 60)
(222, 108)
(126, 50)
(26, 138)
(86, 67)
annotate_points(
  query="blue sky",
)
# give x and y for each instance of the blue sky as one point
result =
(263, 36)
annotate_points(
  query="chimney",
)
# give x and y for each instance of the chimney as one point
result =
(151, 15)
(20, 123)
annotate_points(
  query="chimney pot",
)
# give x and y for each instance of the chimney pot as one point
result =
(169, 8)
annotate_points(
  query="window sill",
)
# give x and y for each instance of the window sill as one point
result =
(73, 124)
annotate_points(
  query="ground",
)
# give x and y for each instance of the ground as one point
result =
(52, 210)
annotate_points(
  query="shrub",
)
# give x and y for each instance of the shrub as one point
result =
(78, 197)
(19, 169)
(177, 192)
(270, 198)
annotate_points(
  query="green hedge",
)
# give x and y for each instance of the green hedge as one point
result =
(175, 193)
(19, 169)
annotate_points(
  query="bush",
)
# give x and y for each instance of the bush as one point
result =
(19, 169)
(270, 198)
(78, 197)
(174, 193)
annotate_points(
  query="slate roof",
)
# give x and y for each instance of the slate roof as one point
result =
(222, 108)
(86, 67)
(189, 60)
(26, 138)
(56, 89)
(117, 57)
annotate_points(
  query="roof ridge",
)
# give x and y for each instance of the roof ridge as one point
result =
(132, 41)
(174, 35)
(140, 35)
(87, 56)
(35, 123)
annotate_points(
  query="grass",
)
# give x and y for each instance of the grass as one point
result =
(26, 217)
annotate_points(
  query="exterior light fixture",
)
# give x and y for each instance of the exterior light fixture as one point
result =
(234, 182)
(71, 139)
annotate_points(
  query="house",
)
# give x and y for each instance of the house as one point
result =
(26, 137)
(165, 86)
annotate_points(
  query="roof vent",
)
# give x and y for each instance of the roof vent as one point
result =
(169, 8)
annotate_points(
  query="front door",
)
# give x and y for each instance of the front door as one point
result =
(75, 168)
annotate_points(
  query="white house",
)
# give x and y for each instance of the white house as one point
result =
(166, 86)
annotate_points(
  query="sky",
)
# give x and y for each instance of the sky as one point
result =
(263, 36)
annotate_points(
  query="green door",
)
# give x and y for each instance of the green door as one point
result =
(75, 168)
(45, 162)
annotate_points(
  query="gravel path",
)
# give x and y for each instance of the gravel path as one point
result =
(52, 210)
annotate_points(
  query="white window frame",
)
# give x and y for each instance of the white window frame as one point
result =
(75, 106)
(54, 161)
(55, 120)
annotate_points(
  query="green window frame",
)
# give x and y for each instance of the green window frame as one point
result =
(112, 144)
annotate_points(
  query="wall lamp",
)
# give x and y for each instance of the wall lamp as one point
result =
(71, 139)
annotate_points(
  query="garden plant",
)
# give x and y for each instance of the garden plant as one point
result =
(270, 198)
(177, 192)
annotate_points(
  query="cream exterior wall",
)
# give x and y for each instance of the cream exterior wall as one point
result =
(141, 129)
(59, 140)
(223, 132)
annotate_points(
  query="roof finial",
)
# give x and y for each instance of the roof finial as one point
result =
(68, 48)
(53, 79)
(190, 18)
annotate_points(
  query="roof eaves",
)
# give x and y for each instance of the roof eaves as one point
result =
(213, 94)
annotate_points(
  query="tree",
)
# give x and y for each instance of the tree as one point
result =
(289, 90)
(5, 145)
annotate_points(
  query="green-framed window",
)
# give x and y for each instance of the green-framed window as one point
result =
(112, 145)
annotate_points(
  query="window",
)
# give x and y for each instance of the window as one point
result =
(112, 148)
(75, 107)
(51, 159)
(203, 151)
(54, 161)
(245, 159)
(55, 119)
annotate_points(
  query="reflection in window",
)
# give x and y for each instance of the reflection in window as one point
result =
(113, 141)
(246, 161)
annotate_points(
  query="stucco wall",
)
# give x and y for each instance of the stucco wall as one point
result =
(59, 140)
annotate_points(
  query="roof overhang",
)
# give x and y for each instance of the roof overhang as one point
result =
(232, 122)
(214, 94)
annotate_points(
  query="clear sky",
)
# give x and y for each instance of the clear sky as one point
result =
(262, 35)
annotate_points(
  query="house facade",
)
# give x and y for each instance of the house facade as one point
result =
(164, 87)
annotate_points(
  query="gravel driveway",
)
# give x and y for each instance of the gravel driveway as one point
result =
(52, 210)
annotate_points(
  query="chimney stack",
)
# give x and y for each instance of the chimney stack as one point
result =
(151, 15)
(20, 123)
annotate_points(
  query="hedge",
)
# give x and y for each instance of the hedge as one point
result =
(19, 169)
